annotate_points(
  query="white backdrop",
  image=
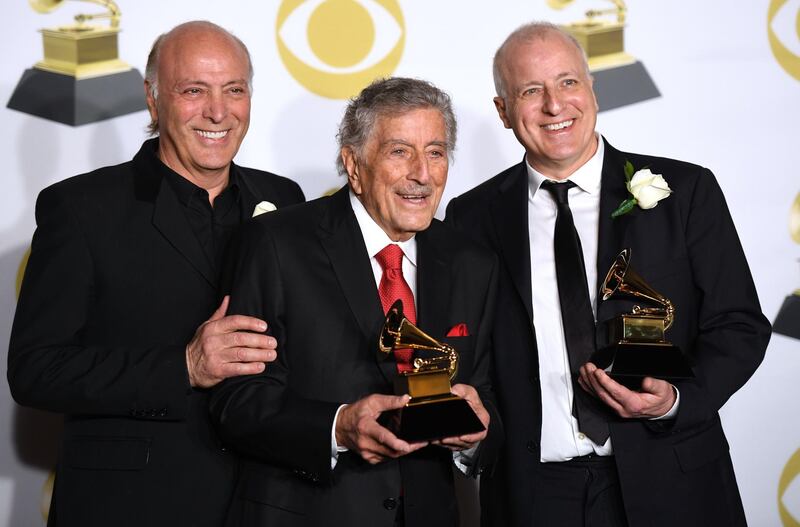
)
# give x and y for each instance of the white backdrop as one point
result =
(727, 103)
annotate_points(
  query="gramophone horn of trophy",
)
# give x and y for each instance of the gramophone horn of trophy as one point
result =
(619, 79)
(433, 412)
(637, 347)
(81, 78)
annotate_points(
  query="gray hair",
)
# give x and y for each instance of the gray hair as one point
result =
(527, 33)
(153, 58)
(391, 96)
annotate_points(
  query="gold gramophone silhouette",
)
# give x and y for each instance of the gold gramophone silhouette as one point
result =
(637, 346)
(81, 78)
(620, 79)
(433, 412)
(787, 322)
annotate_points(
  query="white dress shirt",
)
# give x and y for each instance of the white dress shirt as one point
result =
(561, 439)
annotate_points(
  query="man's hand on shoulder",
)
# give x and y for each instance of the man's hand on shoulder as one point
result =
(465, 442)
(655, 399)
(358, 430)
(226, 346)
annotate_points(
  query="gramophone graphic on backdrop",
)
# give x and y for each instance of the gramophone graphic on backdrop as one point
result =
(788, 320)
(81, 78)
(619, 79)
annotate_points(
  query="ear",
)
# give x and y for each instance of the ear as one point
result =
(500, 104)
(350, 161)
(151, 102)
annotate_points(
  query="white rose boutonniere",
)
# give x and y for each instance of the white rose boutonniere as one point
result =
(264, 206)
(646, 189)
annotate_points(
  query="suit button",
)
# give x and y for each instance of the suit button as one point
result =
(390, 504)
(162, 412)
(532, 446)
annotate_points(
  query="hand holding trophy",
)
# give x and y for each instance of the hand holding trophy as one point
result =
(433, 412)
(637, 347)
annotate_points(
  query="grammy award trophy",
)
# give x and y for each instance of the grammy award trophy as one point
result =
(637, 347)
(81, 78)
(433, 412)
(619, 79)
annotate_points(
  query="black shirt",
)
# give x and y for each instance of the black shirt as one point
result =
(213, 226)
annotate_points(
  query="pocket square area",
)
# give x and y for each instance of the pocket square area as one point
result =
(459, 330)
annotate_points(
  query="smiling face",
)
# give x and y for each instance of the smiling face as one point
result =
(203, 104)
(549, 103)
(400, 175)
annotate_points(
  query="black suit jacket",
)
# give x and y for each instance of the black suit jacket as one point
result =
(673, 472)
(115, 287)
(307, 271)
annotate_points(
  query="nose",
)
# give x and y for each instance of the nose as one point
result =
(552, 102)
(420, 172)
(215, 108)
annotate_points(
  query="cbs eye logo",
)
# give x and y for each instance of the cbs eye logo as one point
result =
(336, 47)
(789, 493)
(783, 29)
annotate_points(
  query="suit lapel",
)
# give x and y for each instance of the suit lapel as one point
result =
(250, 194)
(510, 217)
(343, 242)
(168, 216)
(433, 281)
(171, 222)
(611, 235)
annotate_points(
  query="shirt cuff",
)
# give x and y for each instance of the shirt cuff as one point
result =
(672, 411)
(463, 459)
(336, 449)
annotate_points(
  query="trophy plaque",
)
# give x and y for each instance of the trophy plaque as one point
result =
(788, 320)
(637, 347)
(81, 78)
(619, 79)
(433, 412)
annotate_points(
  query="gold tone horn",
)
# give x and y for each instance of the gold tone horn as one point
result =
(45, 6)
(622, 279)
(113, 13)
(399, 333)
(559, 4)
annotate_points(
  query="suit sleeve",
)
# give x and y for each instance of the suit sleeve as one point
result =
(732, 332)
(49, 365)
(260, 415)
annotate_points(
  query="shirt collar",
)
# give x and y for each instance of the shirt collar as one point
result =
(374, 237)
(188, 191)
(587, 177)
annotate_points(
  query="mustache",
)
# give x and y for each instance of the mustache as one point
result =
(414, 189)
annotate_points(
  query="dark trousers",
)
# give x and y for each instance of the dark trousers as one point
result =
(583, 492)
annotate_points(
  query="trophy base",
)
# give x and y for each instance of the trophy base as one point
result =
(65, 99)
(623, 85)
(629, 363)
(788, 320)
(433, 418)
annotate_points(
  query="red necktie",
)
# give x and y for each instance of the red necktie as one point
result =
(392, 287)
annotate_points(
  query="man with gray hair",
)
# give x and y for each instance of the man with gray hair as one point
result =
(581, 448)
(116, 326)
(325, 273)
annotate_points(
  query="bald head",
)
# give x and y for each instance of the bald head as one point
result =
(198, 33)
(523, 35)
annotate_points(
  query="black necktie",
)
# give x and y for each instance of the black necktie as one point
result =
(576, 311)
